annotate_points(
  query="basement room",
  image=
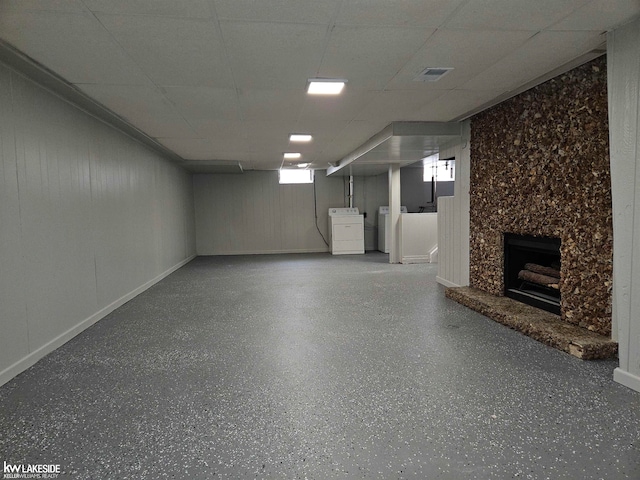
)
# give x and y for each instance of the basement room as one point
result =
(320, 239)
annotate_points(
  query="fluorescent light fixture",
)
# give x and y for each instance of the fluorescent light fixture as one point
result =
(303, 165)
(325, 86)
(292, 155)
(299, 137)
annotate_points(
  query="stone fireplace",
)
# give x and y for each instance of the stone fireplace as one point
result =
(540, 170)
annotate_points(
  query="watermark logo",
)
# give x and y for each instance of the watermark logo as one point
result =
(38, 470)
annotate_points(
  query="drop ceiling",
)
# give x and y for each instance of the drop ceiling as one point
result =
(222, 82)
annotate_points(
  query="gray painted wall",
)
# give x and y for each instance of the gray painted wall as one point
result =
(623, 71)
(251, 213)
(369, 194)
(88, 216)
(415, 192)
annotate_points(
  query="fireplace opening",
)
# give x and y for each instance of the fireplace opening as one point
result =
(532, 270)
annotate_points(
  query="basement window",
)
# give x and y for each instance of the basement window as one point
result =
(440, 170)
(294, 176)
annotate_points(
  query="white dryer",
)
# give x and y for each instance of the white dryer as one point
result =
(384, 228)
(346, 231)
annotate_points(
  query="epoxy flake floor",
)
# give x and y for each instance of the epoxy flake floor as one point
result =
(315, 367)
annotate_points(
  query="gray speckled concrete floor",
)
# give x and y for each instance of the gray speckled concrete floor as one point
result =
(318, 367)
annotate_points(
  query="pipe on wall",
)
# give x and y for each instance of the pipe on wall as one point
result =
(350, 191)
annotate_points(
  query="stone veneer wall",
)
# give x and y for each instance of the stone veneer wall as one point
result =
(540, 166)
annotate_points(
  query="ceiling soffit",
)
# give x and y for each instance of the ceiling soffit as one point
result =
(402, 143)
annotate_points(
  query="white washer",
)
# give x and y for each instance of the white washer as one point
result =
(384, 229)
(346, 231)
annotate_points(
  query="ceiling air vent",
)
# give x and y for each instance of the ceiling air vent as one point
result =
(432, 74)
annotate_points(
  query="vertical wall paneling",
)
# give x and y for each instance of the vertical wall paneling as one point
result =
(370, 192)
(89, 218)
(446, 237)
(55, 206)
(623, 52)
(14, 340)
(329, 193)
(453, 217)
(418, 236)
(252, 213)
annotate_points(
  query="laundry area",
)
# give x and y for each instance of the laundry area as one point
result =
(407, 231)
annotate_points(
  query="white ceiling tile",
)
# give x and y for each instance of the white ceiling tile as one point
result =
(430, 13)
(467, 51)
(42, 6)
(144, 107)
(343, 107)
(268, 136)
(323, 131)
(231, 86)
(256, 162)
(221, 130)
(167, 126)
(303, 11)
(351, 137)
(173, 51)
(190, 149)
(131, 102)
(259, 161)
(85, 53)
(269, 104)
(454, 104)
(401, 105)
(600, 15)
(541, 54)
(512, 14)
(205, 149)
(204, 102)
(369, 57)
(183, 8)
(273, 56)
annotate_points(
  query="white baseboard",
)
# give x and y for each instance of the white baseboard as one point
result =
(415, 259)
(627, 379)
(445, 282)
(261, 252)
(29, 360)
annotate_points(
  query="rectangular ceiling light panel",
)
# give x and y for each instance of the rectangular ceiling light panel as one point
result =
(325, 86)
(299, 137)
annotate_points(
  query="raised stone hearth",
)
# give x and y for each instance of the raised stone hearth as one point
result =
(538, 324)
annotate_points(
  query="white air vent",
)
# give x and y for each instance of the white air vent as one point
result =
(432, 74)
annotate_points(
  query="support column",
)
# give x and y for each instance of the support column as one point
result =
(623, 72)
(394, 213)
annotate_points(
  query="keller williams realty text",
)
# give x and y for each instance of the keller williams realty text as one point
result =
(30, 471)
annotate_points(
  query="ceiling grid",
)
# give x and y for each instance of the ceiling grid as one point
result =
(223, 81)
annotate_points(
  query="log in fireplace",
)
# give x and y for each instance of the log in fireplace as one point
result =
(532, 270)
